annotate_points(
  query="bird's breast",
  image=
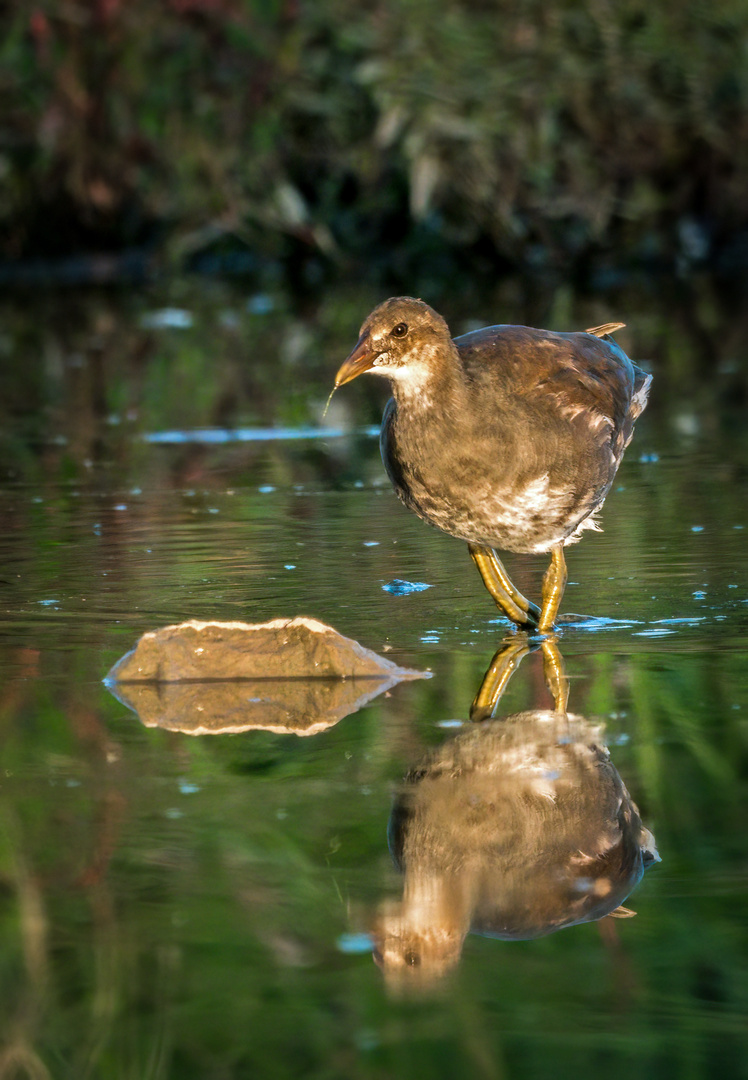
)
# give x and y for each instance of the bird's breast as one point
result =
(497, 486)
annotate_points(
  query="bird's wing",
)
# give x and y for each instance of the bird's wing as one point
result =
(580, 376)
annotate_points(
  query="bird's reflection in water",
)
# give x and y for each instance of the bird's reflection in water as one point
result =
(514, 829)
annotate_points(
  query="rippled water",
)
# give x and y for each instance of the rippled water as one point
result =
(182, 906)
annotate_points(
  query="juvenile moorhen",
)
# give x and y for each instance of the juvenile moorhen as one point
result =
(506, 437)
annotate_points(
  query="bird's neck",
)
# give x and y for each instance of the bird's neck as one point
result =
(429, 381)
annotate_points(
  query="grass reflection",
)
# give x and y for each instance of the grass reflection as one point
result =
(171, 905)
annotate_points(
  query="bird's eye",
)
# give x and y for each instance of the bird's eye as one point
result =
(400, 330)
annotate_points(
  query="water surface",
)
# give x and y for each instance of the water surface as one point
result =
(203, 906)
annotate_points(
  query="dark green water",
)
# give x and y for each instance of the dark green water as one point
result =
(178, 906)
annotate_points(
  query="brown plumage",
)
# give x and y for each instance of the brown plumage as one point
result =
(515, 829)
(507, 437)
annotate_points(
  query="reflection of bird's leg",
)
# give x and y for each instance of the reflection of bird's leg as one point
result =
(505, 662)
(554, 670)
(507, 596)
(554, 583)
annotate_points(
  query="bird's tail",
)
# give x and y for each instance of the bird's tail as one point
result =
(606, 329)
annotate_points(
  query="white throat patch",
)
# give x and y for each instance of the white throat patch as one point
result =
(412, 378)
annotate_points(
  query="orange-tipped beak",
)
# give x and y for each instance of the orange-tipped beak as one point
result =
(360, 360)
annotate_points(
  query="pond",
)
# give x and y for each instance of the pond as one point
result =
(217, 905)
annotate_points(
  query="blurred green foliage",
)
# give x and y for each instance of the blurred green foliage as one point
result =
(171, 905)
(532, 131)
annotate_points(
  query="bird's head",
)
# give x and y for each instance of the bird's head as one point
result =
(397, 340)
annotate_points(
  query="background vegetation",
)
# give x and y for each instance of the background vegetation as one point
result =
(560, 164)
(381, 135)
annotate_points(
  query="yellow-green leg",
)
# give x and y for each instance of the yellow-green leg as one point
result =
(506, 596)
(554, 583)
(505, 662)
(554, 671)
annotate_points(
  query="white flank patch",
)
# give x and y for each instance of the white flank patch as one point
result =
(640, 397)
(536, 498)
(589, 522)
(596, 421)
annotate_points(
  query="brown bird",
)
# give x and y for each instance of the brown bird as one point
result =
(517, 828)
(506, 437)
